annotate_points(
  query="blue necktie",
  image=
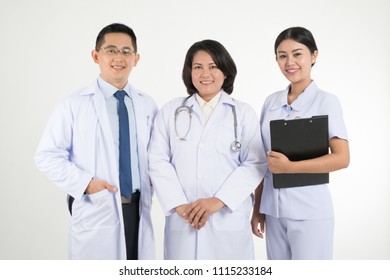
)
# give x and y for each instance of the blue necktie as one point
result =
(125, 180)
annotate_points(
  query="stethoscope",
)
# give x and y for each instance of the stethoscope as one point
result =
(235, 145)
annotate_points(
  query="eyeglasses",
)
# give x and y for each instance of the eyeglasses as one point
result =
(111, 51)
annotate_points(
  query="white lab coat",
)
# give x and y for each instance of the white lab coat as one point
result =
(77, 145)
(204, 166)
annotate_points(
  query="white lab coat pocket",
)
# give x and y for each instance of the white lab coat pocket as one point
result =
(96, 211)
(224, 142)
(230, 221)
(176, 223)
(227, 220)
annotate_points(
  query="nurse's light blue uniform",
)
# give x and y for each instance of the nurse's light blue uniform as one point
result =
(299, 221)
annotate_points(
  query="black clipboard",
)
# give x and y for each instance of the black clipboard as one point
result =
(300, 139)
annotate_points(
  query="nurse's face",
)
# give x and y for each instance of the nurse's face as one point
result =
(206, 76)
(115, 67)
(295, 60)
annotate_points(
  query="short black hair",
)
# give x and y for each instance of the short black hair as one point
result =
(221, 58)
(298, 34)
(115, 28)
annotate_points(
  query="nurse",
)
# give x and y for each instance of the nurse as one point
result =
(206, 158)
(94, 148)
(299, 221)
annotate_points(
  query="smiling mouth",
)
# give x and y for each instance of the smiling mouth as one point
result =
(292, 70)
(206, 82)
(117, 67)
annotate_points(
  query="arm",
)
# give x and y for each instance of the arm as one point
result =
(257, 217)
(162, 173)
(52, 157)
(247, 175)
(337, 159)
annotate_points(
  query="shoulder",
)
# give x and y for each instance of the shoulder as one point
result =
(137, 93)
(244, 106)
(169, 109)
(77, 98)
(179, 101)
(238, 104)
(245, 110)
(171, 106)
(275, 96)
(326, 95)
(327, 98)
(275, 100)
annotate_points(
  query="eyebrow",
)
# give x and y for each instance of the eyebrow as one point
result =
(292, 51)
(113, 46)
(198, 63)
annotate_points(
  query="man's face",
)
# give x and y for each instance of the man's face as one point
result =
(115, 67)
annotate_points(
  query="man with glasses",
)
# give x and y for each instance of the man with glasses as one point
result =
(94, 148)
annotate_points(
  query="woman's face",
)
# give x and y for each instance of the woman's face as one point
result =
(295, 60)
(206, 76)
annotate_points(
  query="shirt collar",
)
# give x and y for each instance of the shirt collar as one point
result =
(213, 102)
(108, 89)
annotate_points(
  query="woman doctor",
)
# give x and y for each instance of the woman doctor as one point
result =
(206, 158)
(299, 220)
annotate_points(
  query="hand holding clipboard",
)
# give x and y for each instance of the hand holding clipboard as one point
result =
(300, 139)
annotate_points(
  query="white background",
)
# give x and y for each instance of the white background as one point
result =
(45, 55)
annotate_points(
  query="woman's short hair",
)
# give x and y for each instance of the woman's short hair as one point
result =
(221, 58)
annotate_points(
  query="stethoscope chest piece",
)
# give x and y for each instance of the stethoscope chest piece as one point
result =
(235, 146)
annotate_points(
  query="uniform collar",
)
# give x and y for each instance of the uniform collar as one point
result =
(299, 103)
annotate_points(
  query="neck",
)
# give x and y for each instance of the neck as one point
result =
(296, 90)
(119, 84)
(207, 97)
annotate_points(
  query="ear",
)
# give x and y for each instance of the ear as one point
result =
(136, 59)
(95, 56)
(314, 56)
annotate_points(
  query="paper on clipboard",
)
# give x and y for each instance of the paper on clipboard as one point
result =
(300, 139)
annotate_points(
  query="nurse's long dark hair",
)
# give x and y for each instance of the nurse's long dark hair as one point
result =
(221, 58)
(298, 34)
